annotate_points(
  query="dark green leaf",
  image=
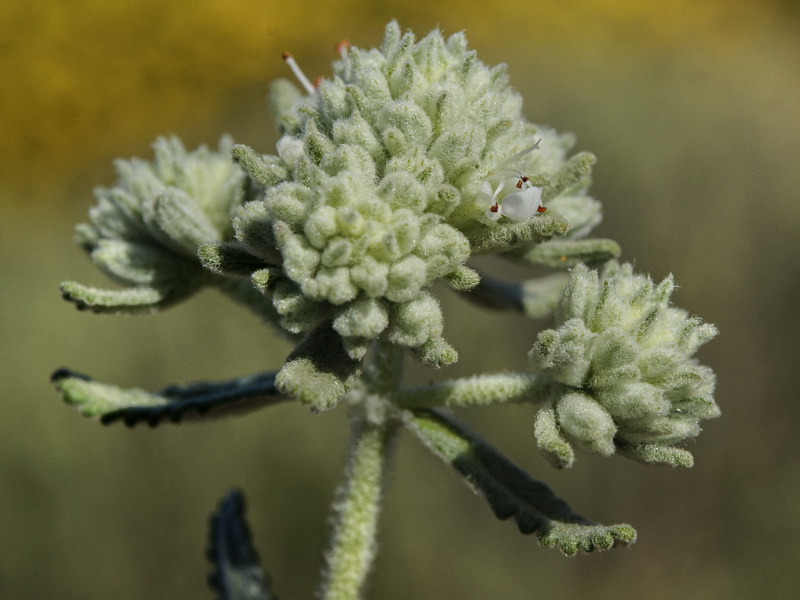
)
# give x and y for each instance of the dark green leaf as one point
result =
(237, 574)
(319, 371)
(229, 258)
(510, 491)
(196, 401)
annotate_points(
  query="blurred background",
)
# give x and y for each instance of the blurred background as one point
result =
(693, 109)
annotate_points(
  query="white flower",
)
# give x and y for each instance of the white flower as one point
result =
(518, 205)
(524, 204)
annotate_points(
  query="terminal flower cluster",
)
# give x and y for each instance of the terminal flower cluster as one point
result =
(390, 175)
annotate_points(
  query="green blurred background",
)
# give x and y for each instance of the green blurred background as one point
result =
(693, 109)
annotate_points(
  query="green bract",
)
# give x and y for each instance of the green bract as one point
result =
(378, 189)
(622, 372)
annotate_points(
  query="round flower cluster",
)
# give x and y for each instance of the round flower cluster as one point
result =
(145, 231)
(622, 372)
(387, 177)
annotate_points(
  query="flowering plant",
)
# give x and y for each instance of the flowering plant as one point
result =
(391, 175)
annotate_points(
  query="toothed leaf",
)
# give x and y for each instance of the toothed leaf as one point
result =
(127, 301)
(511, 492)
(196, 401)
(237, 574)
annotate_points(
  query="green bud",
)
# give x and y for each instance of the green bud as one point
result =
(586, 423)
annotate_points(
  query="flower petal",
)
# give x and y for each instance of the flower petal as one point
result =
(522, 205)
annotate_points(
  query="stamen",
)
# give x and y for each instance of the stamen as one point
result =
(494, 207)
(342, 48)
(541, 209)
(301, 77)
(519, 155)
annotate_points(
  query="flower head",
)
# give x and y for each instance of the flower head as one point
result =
(145, 231)
(390, 175)
(622, 372)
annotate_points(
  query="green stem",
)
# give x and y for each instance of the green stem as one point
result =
(480, 390)
(358, 501)
(357, 508)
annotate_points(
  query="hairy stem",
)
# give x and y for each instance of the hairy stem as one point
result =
(479, 390)
(357, 508)
(358, 500)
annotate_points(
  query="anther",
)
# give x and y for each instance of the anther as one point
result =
(342, 48)
(301, 77)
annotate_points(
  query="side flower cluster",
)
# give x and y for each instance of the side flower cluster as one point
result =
(145, 231)
(621, 370)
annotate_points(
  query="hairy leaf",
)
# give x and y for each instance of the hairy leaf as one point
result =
(237, 574)
(510, 491)
(502, 238)
(196, 401)
(319, 371)
(134, 300)
(229, 258)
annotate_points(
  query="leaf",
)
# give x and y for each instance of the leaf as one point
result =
(510, 491)
(502, 238)
(237, 574)
(565, 254)
(319, 371)
(436, 353)
(196, 401)
(134, 300)
(657, 454)
(267, 171)
(229, 258)
(463, 278)
(134, 264)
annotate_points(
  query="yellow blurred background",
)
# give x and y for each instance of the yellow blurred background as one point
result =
(693, 108)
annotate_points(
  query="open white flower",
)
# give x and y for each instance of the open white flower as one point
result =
(518, 206)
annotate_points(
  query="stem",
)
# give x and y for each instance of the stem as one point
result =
(357, 508)
(480, 390)
(358, 500)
